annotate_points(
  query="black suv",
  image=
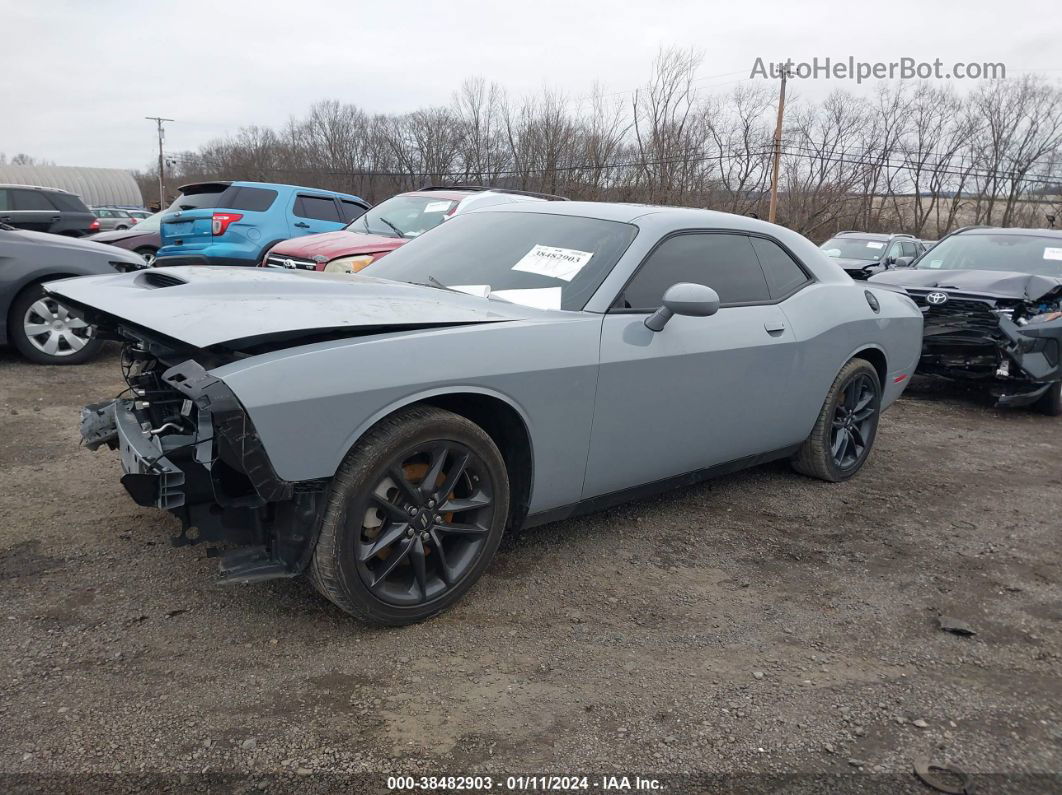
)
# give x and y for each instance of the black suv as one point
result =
(862, 254)
(46, 210)
(992, 303)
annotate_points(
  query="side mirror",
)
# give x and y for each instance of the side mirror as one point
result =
(904, 262)
(684, 298)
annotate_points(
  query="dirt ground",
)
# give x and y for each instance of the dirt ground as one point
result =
(763, 623)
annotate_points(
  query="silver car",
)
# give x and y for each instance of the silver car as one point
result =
(380, 432)
(114, 218)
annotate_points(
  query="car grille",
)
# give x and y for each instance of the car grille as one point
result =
(290, 263)
(958, 317)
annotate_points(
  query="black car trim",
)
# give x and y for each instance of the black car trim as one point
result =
(619, 310)
(613, 498)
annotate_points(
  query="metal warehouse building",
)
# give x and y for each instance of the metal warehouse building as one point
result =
(95, 186)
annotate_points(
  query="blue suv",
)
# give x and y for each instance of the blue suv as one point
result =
(234, 223)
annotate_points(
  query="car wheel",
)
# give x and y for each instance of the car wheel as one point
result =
(148, 253)
(413, 517)
(121, 227)
(44, 331)
(1050, 402)
(844, 432)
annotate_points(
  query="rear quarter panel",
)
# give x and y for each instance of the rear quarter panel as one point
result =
(833, 322)
(310, 405)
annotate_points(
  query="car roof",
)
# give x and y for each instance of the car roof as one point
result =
(33, 187)
(867, 235)
(1005, 230)
(449, 195)
(676, 217)
(240, 183)
(220, 185)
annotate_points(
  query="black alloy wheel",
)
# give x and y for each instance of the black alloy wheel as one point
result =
(854, 419)
(844, 432)
(412, 518)
(424, 524)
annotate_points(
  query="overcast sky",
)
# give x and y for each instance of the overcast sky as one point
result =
(79, 77)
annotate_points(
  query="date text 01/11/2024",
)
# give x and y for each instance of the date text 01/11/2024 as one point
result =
(525, 783)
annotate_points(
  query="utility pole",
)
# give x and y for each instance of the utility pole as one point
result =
(773, 211)
(162, 166)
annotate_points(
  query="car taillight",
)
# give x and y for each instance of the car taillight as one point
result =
(220, 222)
(95, 225)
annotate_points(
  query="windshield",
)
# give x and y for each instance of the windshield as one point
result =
(535, 259)
(1021, 253)
(150, 223)
(853, 248)
(403, 216)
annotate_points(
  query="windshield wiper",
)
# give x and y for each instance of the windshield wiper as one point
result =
(433, 282)
(397, 230)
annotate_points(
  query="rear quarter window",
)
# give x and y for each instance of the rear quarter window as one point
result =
(71, 204)
(783, 274)
(31, 200)
(321, 208)
(238, 197)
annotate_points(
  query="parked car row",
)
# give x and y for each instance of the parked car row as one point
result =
(518, 363)
(863, 254)
(555, 358)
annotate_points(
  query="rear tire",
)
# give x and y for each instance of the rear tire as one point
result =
(395, 549)
(844, 433)
(1050, 402)
(62, 339)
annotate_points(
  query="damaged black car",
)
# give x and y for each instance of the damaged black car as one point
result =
(992, 305)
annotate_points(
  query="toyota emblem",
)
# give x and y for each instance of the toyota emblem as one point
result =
(289, 263)
(936, 299)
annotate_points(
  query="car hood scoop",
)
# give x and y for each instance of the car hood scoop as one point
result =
(205, 306)
(1004, 284)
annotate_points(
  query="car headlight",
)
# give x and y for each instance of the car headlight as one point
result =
(348, 264)
(1045, 317)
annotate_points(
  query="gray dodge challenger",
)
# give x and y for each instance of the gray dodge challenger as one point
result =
(381, 432)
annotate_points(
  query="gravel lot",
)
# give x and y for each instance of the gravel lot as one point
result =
(762, 623)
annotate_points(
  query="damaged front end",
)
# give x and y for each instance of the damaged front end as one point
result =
(187, 446)
(1012, 346)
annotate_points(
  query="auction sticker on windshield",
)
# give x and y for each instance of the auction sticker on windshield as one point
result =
(875, 245)
(559, 263)
(1053, 253)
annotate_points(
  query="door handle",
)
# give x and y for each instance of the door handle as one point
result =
(774, 326)
(301, 225)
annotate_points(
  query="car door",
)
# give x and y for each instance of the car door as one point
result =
(314, 214)
(704, 390)
(30, 209)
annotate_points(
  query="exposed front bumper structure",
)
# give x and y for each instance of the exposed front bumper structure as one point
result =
(975, 339)
(210, 471)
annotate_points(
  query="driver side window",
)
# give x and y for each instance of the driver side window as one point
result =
(725, 262)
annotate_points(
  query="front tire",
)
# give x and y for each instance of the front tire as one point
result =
(848, 422)
(44, 331)
(148, 253)
(413, 517)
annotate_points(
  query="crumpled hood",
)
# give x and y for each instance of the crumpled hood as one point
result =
(118, 234)
(340, 243)
(82, 244)
(214, 305)
(1002, 284)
